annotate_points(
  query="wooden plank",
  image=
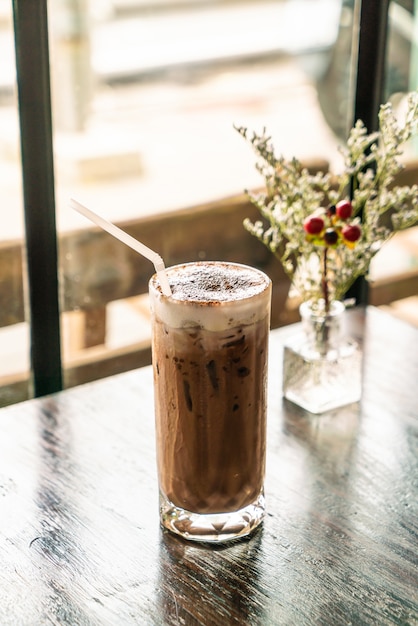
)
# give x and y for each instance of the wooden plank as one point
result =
(81, 366)
(12, 308)
(100, 362)
(15, 388)
(83, 329)
(394, 287)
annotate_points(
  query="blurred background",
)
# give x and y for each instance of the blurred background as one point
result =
(145, 94)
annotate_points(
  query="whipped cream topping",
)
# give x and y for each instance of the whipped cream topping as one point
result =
(211, 294)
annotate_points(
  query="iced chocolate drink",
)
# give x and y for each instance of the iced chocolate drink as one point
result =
(210, 363)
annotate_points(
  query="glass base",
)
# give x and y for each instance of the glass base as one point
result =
(320, 383)
(213, 527)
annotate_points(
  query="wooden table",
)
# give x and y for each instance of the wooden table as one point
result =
(80, 541)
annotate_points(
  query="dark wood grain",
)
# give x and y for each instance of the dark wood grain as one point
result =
(80, 541)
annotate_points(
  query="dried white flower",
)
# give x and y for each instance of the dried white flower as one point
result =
(320, 264)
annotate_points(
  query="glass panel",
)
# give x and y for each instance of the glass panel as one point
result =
(400, 72)
(14, 329)
(145, 97)
(334, 80)
(397, 263)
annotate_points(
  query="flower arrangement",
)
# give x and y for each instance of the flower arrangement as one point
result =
(326, 229)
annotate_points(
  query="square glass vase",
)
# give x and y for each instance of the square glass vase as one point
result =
(322, 367)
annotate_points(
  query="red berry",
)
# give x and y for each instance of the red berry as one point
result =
(330, 236)
(313, 225)
(351, 232)
(344, 209)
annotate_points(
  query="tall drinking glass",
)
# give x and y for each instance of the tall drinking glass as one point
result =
(209, 347)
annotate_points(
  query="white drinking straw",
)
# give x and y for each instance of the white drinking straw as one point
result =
(129, 241)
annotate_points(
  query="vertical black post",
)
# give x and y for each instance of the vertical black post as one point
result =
(370, 75)
(369, 84)
(33, 83)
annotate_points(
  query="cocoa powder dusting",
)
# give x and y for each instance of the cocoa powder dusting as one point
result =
(215, 283)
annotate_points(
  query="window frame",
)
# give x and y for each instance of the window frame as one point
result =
(34, 101)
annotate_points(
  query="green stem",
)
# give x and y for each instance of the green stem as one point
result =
(325, 291)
